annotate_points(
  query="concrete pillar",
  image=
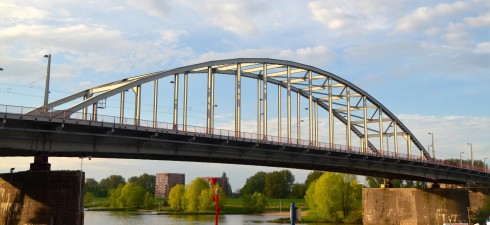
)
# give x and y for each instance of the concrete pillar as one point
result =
(42, 197)
(414, 206)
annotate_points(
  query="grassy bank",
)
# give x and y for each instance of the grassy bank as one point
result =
(232, 206)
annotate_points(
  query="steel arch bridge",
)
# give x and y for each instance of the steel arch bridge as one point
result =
(75, 126)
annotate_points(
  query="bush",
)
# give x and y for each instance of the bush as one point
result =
(89, 197)
(255, 203)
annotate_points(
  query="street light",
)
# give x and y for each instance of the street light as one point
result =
(81, 163)
(433, 151)
(485, 164)
(471, 150)
(461, 159)
(46, 89)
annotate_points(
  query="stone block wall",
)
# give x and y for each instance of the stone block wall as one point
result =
(41, 198)
(411, 206)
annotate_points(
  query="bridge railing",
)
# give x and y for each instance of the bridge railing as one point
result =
(259, 138)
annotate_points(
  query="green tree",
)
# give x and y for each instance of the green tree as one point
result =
(310, 195)
(176, 197)
(333, 192)
(127, 196)
(255, 203)
(109, 183)
(148, 201)
(312, 176)
(374, 182)
(193, 192)
(298, 191)
(482, 214)
(88, 198)
(255, 183)
(413, 184)
(91, 185)
(278, 184)
(133, 195)
(115, 197)
(146, 181)
(228, 189)
(205, 199)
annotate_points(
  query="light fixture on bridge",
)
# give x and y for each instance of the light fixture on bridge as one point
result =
(172, 82)
(433, 151)
(461, 159)
(485, 164)
(46, 88)
(471, 152)
(215, 105)
(1, 69)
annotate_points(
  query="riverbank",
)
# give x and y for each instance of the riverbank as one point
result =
(232, 206)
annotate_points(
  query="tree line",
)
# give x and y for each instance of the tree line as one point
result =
(136, 192)
(319, 188)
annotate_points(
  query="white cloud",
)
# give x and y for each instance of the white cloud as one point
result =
(235, 16)
(319, 55)
(451, 133)
(354, 15)
(78, 47)
(430, 16)
(171, 35)
(483, 48)
(457, 35)
(153, 8)
(9, 11)
(480, 21)
(77, 38)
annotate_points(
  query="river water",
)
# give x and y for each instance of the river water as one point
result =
(125, 218)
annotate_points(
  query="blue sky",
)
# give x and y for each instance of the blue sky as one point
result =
(427, 61)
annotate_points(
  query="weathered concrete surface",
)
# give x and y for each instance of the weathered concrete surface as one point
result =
(47, 197)
(477, 200)
(410, 206)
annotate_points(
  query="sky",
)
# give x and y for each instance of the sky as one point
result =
(426, 61)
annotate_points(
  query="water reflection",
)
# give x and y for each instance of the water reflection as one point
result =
(126, 218)
(129, 218)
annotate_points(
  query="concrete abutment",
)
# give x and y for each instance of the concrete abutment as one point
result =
(411, 206)
(41, 198)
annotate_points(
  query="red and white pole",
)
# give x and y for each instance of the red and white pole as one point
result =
(215, 199)
(217, 207)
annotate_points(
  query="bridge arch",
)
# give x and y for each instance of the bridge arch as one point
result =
(359, 112)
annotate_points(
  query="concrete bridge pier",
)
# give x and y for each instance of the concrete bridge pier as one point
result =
(41, 196)
(412, 206)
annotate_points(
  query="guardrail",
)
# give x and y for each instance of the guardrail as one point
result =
(80, 116)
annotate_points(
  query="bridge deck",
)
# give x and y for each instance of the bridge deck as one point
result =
(25, 135)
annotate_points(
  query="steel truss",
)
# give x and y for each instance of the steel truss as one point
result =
(359, 112)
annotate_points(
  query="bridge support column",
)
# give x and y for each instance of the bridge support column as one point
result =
(42, 197)
(40, 162)
(414, 206)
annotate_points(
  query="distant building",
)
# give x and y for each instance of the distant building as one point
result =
(166, 181)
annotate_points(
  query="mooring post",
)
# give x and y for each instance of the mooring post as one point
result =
(292, 214)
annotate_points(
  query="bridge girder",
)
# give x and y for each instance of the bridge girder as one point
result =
(337, 96)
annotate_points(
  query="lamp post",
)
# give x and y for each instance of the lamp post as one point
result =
(81, 162)
(461, 159)
(433, 151)
(471, 152)
(213, 181)
(485, 164)
(46, 88)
